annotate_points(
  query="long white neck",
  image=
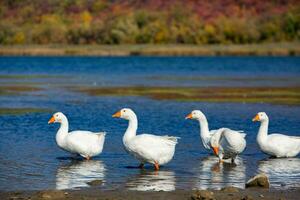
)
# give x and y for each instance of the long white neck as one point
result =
(204, 131)
(132, 128)
(263, 131)
(62, 132)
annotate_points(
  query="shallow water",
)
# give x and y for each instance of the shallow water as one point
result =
(30, 159)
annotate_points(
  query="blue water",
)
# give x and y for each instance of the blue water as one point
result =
(30, 159)
(160, 71)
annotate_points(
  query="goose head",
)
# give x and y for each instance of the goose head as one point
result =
(58, 117)
(261, 116)
(125, 113)
(196, 114)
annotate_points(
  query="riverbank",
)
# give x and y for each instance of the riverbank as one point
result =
(96, 193)
(267, 49)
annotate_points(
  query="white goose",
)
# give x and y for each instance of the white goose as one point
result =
(277, 145)
(85, 143)
(156, 150)
(207, 135)
(227, 143)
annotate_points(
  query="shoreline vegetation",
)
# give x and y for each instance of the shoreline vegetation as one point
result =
(265, 49)
(22, 111)
(16, 84)
(288, 95)
(273, 95)
(227, 193)
(17, 89)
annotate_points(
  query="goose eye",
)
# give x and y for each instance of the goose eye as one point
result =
(124, 110)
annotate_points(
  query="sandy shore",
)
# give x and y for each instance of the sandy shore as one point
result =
(229, 193)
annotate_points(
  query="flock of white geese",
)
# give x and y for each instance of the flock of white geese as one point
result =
(159, 150)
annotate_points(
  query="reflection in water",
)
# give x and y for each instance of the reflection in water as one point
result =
(214, 175)
(78, 173)
(153, 180)
(282, 172)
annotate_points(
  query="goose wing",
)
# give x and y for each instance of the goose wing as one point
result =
(83, 142)
(234, 139)
(151, 147)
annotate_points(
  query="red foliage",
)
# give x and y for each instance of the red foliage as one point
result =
(205, 9)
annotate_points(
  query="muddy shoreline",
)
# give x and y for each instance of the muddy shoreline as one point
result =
(229, 193)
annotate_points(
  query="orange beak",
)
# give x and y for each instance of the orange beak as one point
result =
(216, 150)
(117, 114)
(189, 116)
(51, 120)
(256, 118)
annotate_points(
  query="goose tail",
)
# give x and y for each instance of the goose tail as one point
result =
(172, 139)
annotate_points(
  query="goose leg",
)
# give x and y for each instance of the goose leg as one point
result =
(156, 166)
(141, 166)
(233, 159)
(220, 158)
(88, 158)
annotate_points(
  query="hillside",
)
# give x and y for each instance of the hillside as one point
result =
(148, 21)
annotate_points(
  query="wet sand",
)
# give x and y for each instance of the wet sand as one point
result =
(229, 193)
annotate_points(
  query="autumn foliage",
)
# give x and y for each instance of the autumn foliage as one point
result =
(148, 21)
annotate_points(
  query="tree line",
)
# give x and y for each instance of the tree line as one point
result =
(114, 22)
